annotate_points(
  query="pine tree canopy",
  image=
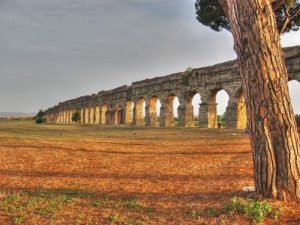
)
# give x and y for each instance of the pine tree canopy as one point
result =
(287, 14)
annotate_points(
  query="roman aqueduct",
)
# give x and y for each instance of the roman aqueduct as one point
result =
(125, 105)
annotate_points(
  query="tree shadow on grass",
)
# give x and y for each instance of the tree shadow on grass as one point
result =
(128, 152)
(127, 176)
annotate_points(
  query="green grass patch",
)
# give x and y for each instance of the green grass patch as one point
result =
(256, 211)
(23, 205)
(131, 202)
(120, 219)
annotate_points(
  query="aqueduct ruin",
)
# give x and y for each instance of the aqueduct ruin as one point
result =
(125, 105)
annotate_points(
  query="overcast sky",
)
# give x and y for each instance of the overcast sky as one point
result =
(55, 50)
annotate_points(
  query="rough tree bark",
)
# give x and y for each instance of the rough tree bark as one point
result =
(273, 130)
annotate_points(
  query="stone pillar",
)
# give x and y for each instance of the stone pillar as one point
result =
(69, 120)
(151, 113)
(97, 114)
(72, 112)
(61, 117)
(87, 115)
(186, 115)
(92, 115)
(64, 116)
(82, 115)
(236, 114)
(166, 114)
(67, 116)
(208, 115)
(231, 114)
(128, 117)
(102, 117)
(138, 113)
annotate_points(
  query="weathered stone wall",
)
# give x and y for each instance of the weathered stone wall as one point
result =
(125, 105)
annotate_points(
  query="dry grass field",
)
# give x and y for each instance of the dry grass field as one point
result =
(52, 174)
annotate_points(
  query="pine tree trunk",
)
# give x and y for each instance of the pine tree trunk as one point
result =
(271, 123)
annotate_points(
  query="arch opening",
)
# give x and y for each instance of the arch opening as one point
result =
(222, 99)
(129, 112)
(119, 115)
(176, 104)
(152, 117)
(196, 101)
(217, 105)
(294, 88)
(109, 115)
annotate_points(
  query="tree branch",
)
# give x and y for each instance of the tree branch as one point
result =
(278, 4)
(288, 19)
(295, 14)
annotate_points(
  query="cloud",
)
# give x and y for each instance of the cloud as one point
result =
(53, 50)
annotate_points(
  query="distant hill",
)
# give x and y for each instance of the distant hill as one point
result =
(10, 115)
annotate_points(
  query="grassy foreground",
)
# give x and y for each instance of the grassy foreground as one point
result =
(51, 174)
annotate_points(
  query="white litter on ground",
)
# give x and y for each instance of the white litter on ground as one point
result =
(249, 189)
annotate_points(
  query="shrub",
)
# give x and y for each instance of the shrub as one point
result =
(257, 211)
(221, 120)
(76, 116)
(39, 118)
(189, 71)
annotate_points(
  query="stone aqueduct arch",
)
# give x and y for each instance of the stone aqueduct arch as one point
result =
(124, 105)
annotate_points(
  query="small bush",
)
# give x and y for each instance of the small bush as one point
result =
(189, 71)
(39, 118)
(221, 122)
(212, 212)
(76, 116)
(257, 211)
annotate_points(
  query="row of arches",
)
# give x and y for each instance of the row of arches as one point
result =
(208, 110)
(151, 112)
